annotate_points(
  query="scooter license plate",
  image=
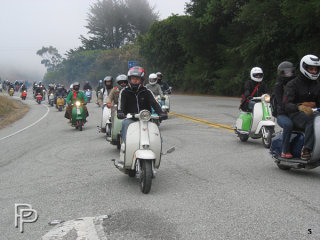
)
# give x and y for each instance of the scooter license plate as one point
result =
(78, 111)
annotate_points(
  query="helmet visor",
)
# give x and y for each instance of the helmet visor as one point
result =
(288, 72)
(258, 75)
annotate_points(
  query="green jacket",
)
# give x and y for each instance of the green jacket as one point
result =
(80, 96)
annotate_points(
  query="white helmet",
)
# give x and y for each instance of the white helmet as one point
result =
(310, 60)
(121, 79)
(153, 76)
(256, 74)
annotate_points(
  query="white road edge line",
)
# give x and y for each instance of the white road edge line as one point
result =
(31, 125)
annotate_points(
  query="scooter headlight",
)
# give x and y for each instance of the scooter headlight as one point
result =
(78, 103)
(145, 115)
(266, 98)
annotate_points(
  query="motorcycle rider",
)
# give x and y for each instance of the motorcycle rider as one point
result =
(112, 99)
(300, 96)
(255, 85)
(61, 91)
(134, 98)
(50, 88)
(87, 86)
(154, 86)
(286, 73)
(98, 87)
(73, 96)
(164, 85)
(23, 88)
(108, 85)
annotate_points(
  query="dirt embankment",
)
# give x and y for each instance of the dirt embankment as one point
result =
(11, 110)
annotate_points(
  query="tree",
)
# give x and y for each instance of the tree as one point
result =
(115, 23)
(50, 58)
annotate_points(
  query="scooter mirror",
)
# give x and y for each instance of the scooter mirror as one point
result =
(171, 150)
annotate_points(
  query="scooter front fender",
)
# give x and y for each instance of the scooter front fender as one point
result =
(264, 123)
(143, 154)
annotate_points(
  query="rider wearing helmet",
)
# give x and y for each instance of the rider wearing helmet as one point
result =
(153, 85)
(98, 87)
(135, 98)
(300, 96)
(87, 86)
(113, 96)
(254, 87)
(286, 73)
(106, 89)
(164, 85)
(72, 97)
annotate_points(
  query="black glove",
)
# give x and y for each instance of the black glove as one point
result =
(163, 116)
(249, 97)
(121, 115)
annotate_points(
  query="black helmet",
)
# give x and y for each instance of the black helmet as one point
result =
(286, 69)
(138, 72)
(86, 82)
(76, 86)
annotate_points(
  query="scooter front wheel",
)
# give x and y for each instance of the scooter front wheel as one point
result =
(266, 138)
(146, 176)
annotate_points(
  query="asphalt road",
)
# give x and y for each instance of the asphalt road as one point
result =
(212, 187)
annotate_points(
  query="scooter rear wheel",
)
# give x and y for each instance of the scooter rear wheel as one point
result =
(243, 137)
(146, 176)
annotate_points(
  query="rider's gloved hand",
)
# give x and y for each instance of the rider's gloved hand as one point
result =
(121, 115)
(249, 97)
(163, 116)
(305, 109)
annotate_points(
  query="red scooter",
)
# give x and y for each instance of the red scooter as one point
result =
(39, 98)
(24, 95)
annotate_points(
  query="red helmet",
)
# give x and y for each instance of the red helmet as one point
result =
(138, 72)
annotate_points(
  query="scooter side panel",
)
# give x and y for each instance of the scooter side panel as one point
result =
(155, 142)
(316, 147)
(133, 137)
(244, 121)
(257, 115)
(106, 115)
(116, 126)
(264, 123)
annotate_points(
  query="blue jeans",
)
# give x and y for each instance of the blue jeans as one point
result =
(287, 125)
(125, 125)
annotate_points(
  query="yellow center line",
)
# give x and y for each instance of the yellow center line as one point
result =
(216, 125)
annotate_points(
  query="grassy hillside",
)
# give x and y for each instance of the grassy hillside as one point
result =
(10, 110)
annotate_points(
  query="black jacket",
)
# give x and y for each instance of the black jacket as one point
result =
(250, 85)
(134, 102)
(87, 86)
(301, 89)
(164, 87)
(278, 94)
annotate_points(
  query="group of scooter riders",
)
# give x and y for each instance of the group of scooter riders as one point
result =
(295, 95)
(129, 94)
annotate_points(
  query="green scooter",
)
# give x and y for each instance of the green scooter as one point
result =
(78, 115)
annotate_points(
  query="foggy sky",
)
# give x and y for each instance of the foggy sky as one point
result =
(27, 25)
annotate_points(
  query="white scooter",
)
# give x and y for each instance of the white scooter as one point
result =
(105, 125)
(165, 101)
(259, 123)
(141, 154)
